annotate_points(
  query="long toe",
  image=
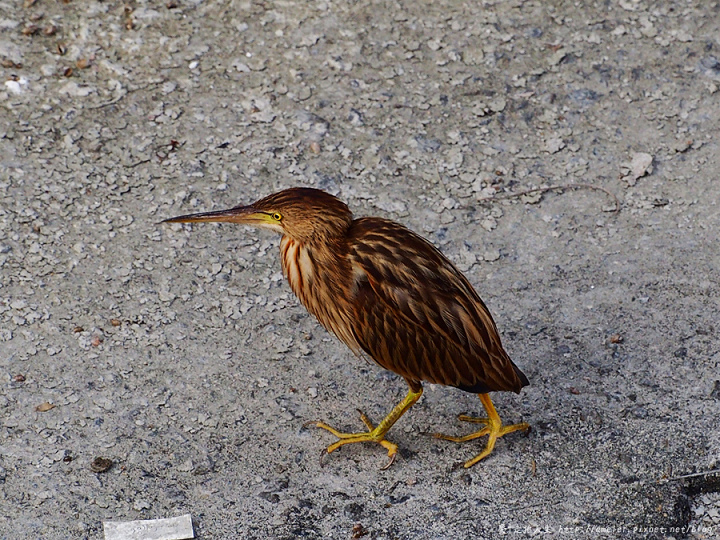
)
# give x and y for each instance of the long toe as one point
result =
(482, 455)
(522, 426)
(495, 432)
(366, 420)
(338, 434)
(464, 438)
(473, 419)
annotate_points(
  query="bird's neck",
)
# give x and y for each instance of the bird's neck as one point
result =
(313, 264)
(319, 274)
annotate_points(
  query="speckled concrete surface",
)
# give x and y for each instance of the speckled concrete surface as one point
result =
(180, 354)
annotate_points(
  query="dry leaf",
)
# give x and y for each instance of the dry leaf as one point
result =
(44, 407)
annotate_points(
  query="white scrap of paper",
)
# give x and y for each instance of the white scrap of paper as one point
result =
(17, 86)
(177, 528)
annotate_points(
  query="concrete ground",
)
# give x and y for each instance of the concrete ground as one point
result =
(179, 353)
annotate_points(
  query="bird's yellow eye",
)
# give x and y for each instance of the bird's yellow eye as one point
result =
(276, 216)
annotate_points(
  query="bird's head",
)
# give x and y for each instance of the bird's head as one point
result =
(303, 214)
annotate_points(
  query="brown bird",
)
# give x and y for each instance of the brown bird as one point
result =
(388, 293)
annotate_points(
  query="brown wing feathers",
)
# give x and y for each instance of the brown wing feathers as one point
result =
(443, 331)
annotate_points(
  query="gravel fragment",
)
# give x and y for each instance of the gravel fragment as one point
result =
(640, 165)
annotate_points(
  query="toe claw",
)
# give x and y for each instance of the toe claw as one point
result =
(323, 453)
(392, 460)
(309, 423)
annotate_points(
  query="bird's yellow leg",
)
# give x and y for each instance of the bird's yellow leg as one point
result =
(493, 429)
(374, 433)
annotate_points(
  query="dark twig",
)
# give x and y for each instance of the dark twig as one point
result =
(693, 475)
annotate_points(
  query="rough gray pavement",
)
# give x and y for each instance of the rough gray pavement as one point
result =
(179, 352)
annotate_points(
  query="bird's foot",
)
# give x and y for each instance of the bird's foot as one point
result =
(493, 428)
(374, 434)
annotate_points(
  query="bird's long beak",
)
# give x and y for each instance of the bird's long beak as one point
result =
(240, 214)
